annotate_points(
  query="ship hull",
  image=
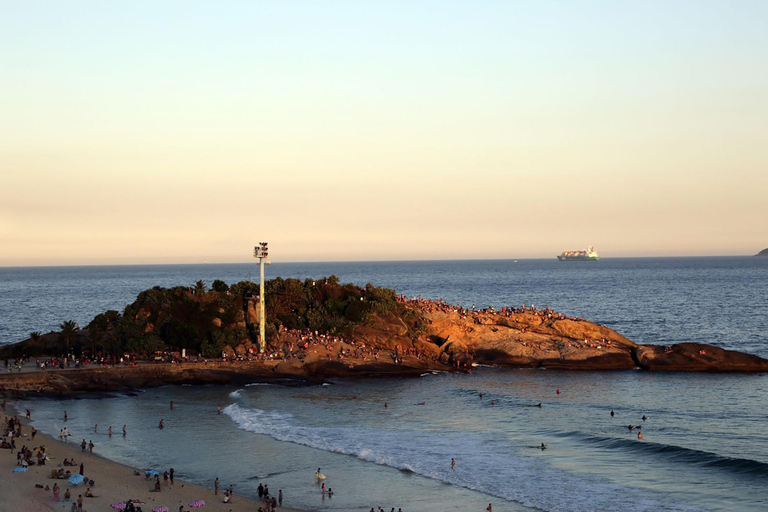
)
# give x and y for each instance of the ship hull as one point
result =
(578, 258)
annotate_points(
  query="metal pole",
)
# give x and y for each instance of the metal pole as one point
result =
(262, 321)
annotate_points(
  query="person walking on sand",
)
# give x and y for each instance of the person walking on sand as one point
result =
(55, 492)
(90, 446)
(216, 486)
(83, 446)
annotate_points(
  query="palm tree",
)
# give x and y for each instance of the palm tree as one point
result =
(200, 287)
(68, 332)
(35, 336)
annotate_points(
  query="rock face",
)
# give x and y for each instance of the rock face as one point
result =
(697, 357)
(529, 340)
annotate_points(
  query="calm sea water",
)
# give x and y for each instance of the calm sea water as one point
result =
(705, 446)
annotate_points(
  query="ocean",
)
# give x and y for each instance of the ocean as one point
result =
(704, 445)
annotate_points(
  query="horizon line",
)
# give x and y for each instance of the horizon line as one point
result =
(148, 264)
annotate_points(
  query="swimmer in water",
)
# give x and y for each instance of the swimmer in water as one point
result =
(644, 417)
(538, 405)
(611, 413)
(160, 425)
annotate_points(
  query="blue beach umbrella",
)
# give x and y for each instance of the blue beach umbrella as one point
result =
(20, 469)
(76, 479)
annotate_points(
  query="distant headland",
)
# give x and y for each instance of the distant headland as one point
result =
(316, 329)
(764, 252)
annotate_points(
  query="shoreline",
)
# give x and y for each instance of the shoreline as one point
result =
(113, 481)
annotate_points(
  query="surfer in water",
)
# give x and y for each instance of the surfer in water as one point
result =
(543, 446)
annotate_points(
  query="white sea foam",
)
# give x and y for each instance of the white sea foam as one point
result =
(516, 478)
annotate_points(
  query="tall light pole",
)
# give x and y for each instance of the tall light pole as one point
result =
(261, 251)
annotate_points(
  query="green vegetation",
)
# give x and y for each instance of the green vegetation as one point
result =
(205, 321)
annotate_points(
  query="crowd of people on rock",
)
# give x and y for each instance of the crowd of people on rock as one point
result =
(439, 305)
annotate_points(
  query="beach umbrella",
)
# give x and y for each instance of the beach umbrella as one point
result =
(161, 508)
(20, 469)
(118, 505)
(197, 503)
(76, 479)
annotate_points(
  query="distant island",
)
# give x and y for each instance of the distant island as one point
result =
(764, 252)
(316, 329)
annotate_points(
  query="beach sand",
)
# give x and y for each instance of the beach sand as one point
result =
(114, 482)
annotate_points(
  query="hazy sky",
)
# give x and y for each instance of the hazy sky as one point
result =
(162, 131)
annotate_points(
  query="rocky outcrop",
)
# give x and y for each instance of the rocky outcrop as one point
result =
(697, 357)
(764, 253)
(408, 341)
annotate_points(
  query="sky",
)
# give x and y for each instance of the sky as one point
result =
(184, 131)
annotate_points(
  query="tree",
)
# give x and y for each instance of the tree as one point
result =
(200, 288)
(220, 286)
(68, 333)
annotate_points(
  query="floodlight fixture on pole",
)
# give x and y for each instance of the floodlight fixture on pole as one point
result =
(261, 252)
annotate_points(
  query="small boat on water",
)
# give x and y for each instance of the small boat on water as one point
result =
(589, 254)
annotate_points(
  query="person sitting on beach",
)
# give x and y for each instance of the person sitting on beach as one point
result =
(89, 493)
(67, 495)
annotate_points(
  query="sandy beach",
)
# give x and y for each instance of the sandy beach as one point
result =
(113, 482)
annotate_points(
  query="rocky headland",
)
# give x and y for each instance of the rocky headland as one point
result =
(763, 253)
(321, 329)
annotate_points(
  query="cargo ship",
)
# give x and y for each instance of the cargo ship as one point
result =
(590, 254)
